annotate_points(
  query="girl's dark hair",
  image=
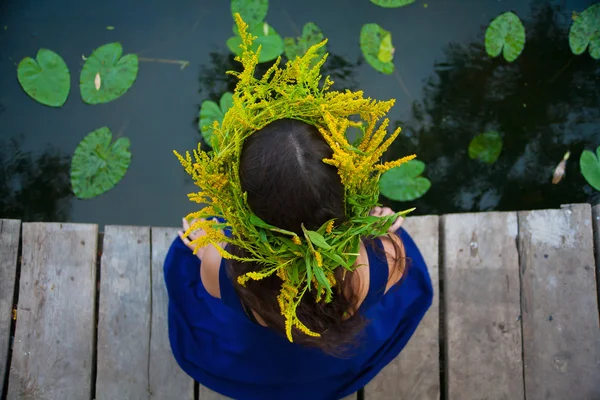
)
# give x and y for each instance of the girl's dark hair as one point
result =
(288, 184)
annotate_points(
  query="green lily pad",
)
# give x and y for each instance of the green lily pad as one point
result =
(45, 79)
(97, 164)
(376, 45)
(506, 32)
(311, 35)
(405, 183)
(267, 37)
(106, 75)
(586, 31)
(590, 167)
(392, 3)
(253, 12)
(486, 147)
(211, 112)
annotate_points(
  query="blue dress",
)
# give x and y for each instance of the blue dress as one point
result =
(216, 343)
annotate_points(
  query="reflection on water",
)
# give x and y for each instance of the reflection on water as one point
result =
(543, 104)
(33, 186)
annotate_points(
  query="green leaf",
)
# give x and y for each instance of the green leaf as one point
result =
(586, 31)
(486, 147)
(371, 38)
(45, 79)
(97, 164)
(211, 112)
(117, 74)
(392, 3)
(309, 273)
(253, 12)
(404, 183)
(256, 221)
(318, 240)
(267, 37)
(506, 32)
(321, 278)
(336, 257)
(311, 35)
(590, 167)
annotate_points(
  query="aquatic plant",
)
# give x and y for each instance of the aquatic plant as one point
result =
(392, 3)
(590, 167)
(311, 35)
(98, 164)
(486, 147)
(586, 31)
(405, 183)
(506, 35)
(211, 112)
(376, 46)
(106, 75)
(45, 79)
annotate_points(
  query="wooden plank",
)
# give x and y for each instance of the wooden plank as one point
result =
(415, 373)
(559, 300)
(54, 338)
(482, 306)
(124, 314)
(596, 226)
(167, 380)
(9, 247)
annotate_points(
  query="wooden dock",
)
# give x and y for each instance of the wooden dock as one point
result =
(84, 316)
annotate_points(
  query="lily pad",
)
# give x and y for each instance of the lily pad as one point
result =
(97, 164)
(586, 31)
(253, 12)
(486, 147)
(392, 3)
(376, 46)
(590, 167)
(506, 32)
(45, 79)
(405, 183)
(211, 112)
(117, 74)
(267, 37)
(311, 35)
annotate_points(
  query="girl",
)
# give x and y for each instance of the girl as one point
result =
(307, 288)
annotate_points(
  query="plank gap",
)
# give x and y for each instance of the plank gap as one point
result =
(13, 322)
(196, 391)
(151, 310)
(442, 311)
(360, 395)
(100, 246)
(519, 251)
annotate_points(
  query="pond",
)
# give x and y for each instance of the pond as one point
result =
(448, 90)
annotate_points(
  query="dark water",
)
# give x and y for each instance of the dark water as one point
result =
(447, 89)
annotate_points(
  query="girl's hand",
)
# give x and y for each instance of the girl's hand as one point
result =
(193, 236)
(385, 211)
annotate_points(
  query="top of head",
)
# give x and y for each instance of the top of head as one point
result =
(288, 184)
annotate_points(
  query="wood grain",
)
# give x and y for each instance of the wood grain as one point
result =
(482, 306)
(53, 345)
(9, 247)
(559, 301)
(124, 314)
(415, 373)
(167, 380)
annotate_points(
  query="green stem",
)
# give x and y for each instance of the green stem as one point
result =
(182, 63)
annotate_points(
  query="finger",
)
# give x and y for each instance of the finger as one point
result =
(376, 211)
(386, 211)
(185, 240)
(397, 224)
(185, 224)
